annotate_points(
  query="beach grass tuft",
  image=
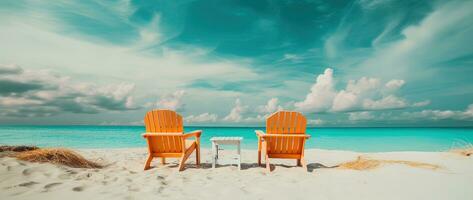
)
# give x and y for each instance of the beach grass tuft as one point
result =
(57, 156)
(362, 163)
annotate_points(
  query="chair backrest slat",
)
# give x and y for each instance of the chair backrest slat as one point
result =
(286, 122)
(164, 121)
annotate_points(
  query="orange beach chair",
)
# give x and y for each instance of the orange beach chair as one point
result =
(284, 138)
(165, 137)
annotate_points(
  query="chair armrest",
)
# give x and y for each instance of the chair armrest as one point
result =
(151, 134)
(286, 135)
(260, 133)
(196, 134)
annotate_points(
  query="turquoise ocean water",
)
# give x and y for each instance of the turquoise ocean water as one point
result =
(353, 139)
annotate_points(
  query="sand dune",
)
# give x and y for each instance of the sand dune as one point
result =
(123, 178)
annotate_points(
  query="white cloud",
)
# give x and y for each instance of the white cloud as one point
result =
(204, 117)
(394, 84)
(171, 101)
(467, 114)
(19, 101)
(315, 122)
(388, 102)
(10, 69)
(291, 57)
(363, 94)
(321, 94)
(236, 113)
(441, 36)
(132, 123)
(421, 103)
(271, 106)
(23, 38)
(149, 34)
(358, 116)
(355, 90)
(43, 93)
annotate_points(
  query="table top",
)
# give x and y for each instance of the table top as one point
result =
(226, 139)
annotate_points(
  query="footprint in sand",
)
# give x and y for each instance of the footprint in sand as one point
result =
(27, 171)
(64, 176)
(133, 188)
(51, 185)
(84, 176)
(162, 180)
(71, 172)
(28, 184)
(78, 189)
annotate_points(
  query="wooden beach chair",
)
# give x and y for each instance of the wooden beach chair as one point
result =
(166, 138)
(284, 138)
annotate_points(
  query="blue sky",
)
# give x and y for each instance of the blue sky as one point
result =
(341, 63)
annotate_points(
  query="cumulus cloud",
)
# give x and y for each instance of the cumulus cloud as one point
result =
(321, 94)
(43, 93)
(394, 84)
(363, 94)
(172, 101)
(236, 114)
(271, 106)
(204, 117)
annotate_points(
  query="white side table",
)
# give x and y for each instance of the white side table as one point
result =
(216, 141)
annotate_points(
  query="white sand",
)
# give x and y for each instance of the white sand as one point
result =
(125, 179)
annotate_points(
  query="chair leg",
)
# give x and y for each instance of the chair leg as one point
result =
(259, 151)
(183, 159)
(163, 160)
(268, 166)
(259, 157)
(148, 162)
(303, 163)
(182, 162)
(197, 155)
(299, 162)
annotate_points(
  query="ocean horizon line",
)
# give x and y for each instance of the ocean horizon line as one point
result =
(223, 126)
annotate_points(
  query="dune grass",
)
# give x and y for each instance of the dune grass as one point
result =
(362, 163)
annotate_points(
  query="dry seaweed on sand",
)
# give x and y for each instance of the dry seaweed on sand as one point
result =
(467, 150)
(362, 163)
(19, 148)
(57, 156)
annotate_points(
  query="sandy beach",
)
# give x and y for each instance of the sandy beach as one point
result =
(124, 178)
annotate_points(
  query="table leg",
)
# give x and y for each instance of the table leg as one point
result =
(239, 155)
(214, 154)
